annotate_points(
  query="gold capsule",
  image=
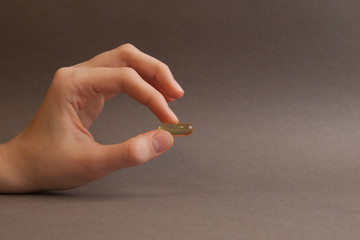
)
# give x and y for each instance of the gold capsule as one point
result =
(177, 129)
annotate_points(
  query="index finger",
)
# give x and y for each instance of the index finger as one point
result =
(111, 81)
(152, 70)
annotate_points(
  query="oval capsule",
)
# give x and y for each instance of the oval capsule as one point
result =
(177, 129)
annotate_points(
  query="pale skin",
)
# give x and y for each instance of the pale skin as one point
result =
(56, 151)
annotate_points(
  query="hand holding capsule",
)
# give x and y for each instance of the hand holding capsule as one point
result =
(56, 150)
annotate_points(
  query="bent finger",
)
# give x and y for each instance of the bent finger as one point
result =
(150, 68)
(111, 81)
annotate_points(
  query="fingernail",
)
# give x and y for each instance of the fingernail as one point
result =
(178, 86)
(161, 141)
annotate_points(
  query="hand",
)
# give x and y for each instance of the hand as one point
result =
(56, 151)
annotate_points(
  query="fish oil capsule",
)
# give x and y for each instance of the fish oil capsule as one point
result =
(177, 129)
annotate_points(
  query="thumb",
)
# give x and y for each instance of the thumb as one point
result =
(135, 151)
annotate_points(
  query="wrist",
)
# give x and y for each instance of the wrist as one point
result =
(11, 178)
(6, 183)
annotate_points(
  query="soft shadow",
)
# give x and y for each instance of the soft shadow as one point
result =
(118, 195)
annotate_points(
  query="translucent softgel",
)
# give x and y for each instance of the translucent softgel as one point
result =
(177, 129)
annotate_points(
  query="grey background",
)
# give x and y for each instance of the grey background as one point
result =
(272, 90)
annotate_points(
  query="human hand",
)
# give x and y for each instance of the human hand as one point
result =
(56, 151)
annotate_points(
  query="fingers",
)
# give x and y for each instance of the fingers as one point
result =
(133, 152)
(110, 81)
(152, 70)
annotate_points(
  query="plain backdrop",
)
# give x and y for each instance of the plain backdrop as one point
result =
(271, 87)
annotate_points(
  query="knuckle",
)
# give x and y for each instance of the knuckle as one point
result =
(61, 77)
(134, 154)
(164, 66)
(65, 79)
(126, 48)
(128, 71)
(62, 73)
